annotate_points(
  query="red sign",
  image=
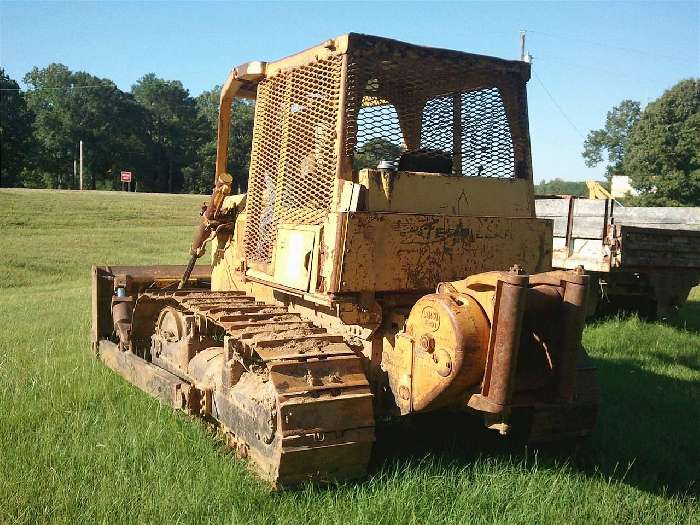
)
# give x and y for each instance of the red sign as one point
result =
(126, 176)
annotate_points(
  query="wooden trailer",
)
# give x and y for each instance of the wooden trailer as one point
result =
(643, 259)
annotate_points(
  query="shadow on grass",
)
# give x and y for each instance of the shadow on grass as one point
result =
(649, 421)
(646, 436)
(688, 317)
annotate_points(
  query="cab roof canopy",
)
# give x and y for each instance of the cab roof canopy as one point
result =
(369, 47)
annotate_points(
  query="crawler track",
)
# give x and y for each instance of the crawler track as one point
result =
(301, 409)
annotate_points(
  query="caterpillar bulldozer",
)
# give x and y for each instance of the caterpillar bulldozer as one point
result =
(385, 261)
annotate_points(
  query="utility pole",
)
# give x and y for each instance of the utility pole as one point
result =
(524, 55)
(81, 165)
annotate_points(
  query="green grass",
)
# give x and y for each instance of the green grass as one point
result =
(78, 444)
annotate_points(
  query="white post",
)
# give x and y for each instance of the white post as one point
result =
(75, 170)
(81, 164)
(522, 46)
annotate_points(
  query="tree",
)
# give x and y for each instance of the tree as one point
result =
(174, 127)
(371, 152)
(48, 99)
(16, 139)
(562, 187)
(608, 144)
(111, 123)
(74, 106)
(199, 176)
(662, 155)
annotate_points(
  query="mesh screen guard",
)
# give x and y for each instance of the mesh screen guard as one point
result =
(294, 154)
(393, 100)
(422, 102)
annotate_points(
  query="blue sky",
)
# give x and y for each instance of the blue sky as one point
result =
(588, 55)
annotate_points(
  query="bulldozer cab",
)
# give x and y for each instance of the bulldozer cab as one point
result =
(449, 128)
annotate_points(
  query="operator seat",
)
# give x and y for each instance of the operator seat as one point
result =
(426, 161)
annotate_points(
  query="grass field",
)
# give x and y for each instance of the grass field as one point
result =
(79, 445)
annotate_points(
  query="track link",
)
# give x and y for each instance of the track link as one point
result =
(302, 410)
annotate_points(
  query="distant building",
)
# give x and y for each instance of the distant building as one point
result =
(620, 186)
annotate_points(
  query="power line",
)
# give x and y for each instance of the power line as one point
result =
(645, 52)
(566, 62)
(96, 86)
(561, 110)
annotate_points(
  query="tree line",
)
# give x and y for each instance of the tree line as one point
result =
(658, 147)
(160, 133)
(558, 186)
(167, 138)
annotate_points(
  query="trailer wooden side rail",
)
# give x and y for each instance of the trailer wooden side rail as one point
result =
(645, 259)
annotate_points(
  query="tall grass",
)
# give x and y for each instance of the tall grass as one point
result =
(78, 444)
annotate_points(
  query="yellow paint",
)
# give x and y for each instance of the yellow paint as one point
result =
(294, 257)
(596, 190)
(406, 192)
(402, 252)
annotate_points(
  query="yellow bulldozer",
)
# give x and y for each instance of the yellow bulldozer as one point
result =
(385, 261)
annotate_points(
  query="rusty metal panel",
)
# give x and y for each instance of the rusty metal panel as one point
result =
(402, 252)
(327, 414)
(166, 387)
(136, 277)
(163, 272)
(102, 291)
